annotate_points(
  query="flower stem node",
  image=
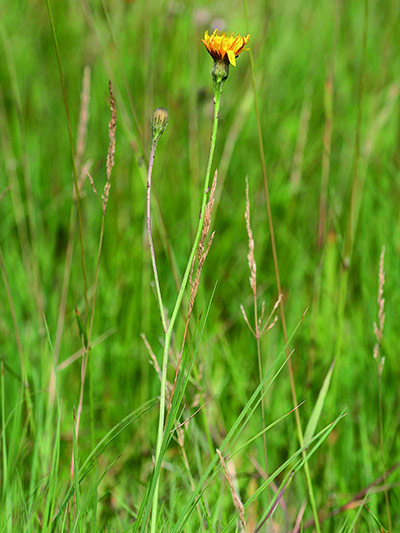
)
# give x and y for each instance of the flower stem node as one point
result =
(159, 123)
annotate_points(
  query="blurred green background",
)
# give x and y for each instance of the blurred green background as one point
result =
(328, 82)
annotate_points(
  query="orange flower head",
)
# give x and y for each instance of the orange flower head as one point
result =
(221, 46)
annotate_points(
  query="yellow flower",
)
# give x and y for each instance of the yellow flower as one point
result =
(220, 45)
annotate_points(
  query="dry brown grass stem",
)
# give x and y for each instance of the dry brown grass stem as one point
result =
(152, 355)
(299, 518)
(258, 329)
(187, 420)
(357, 499)
(235, 497)
(110, 163)
(112, 126)
(268, 324)
(378, 328)
(204, 246)
(83, 119)
(250, 256)
(105, 195)
(261, 329)
(326, 159)
(78, 354)
(154, 361)
(83, 175)
(202, 252)
(82, 170)
(91, 182)
(378, 331)
(278, 500)
(242, 309)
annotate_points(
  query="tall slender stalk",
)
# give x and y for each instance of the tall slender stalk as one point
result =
(27, 244)
(168, 333)
(259, 329)
(354, 199)
(380, 362)
(86, 340)
(150, 237)
(260, 376)
(74, 169)
(382, 450)
(278, 283)
(134, 136)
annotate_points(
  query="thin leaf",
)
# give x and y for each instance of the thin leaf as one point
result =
(315, 415)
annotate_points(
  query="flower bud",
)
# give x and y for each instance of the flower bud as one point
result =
(159, 123)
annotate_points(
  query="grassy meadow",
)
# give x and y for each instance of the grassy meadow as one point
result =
(290, 427)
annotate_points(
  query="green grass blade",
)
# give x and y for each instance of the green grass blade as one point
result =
(316, 441)
(316, 413)
(183, 379)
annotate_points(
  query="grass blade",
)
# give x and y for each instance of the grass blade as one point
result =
(316, 413)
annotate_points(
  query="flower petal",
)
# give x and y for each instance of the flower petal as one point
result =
(231, 57)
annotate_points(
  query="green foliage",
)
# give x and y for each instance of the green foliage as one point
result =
(308, 64)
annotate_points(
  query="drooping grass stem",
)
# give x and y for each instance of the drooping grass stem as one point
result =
(168, 333)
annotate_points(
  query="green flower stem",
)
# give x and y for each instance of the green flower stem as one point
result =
(151, 246)
(168, 334)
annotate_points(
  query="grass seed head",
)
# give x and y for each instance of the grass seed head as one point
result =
(250, 256)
